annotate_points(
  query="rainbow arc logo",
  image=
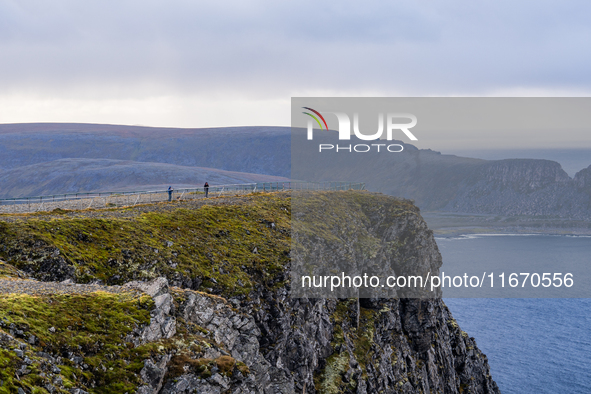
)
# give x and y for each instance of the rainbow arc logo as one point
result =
(315, 118)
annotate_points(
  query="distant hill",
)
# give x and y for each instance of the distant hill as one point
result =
(259, 150)
(59, 158)
(86, 175)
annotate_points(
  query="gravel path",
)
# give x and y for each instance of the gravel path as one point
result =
(108, 201)
(33, 287)
(132, 212)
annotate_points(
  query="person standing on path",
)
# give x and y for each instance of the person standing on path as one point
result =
(170, 189)
(206, 189)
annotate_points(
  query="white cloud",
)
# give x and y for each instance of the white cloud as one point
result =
(154, 62)
(163, 111)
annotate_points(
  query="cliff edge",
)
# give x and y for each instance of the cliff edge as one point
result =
(194, 297)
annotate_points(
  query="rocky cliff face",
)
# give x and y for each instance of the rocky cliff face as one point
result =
(438, 182)
(349, 233)
(523, 175)
(235, 329)
(583, 179)
(524, 187)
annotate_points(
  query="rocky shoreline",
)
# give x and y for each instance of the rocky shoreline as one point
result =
(446, 224)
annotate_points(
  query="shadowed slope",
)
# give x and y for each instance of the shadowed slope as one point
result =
(87, 175)
(261, 150)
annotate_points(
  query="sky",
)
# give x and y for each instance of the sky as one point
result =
(236, 63)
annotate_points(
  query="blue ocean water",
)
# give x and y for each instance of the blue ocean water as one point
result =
(534, 345)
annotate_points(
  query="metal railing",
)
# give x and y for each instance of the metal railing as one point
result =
(99, 200)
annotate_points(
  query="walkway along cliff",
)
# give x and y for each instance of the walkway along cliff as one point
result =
(193, 297)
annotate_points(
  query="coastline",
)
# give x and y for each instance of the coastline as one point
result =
(453, 224)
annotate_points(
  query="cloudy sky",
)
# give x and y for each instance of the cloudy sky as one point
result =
(223, 63)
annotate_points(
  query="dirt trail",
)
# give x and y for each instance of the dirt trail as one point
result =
(130, 212)
(33, 287)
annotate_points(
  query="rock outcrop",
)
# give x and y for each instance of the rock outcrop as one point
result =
(438, 182)
(582, 179)
(524, 188)
(149, 336)
(324, 346)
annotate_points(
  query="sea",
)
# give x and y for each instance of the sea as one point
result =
(534, 345)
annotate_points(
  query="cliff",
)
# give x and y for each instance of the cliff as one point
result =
(524, 187)
(583, 179)
(448, 183)
(194, 297)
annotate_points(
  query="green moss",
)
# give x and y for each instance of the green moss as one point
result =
(363, 338)
(226, 365)
(243, 368)
(184, 363)
(92, 326)
(453, 324)
(8, 271)
(110, 364)
(228, 247)
(331, 381)
(8, 360)
(368, 246)
(330, 378)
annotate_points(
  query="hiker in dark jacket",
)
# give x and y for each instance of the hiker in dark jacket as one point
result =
(206, 189)
(170, 189)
